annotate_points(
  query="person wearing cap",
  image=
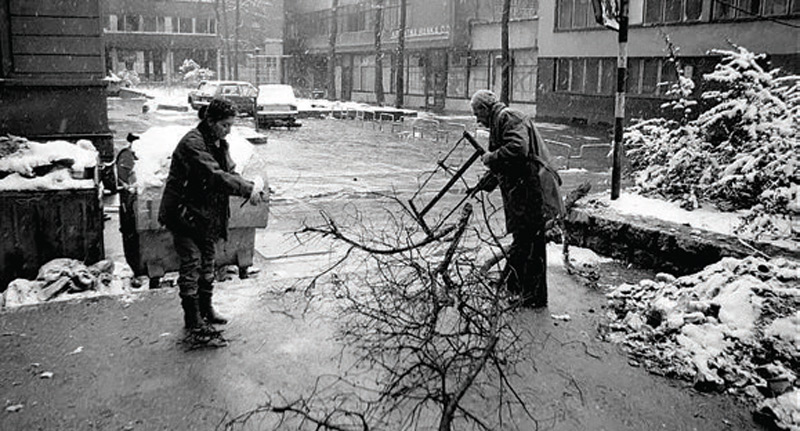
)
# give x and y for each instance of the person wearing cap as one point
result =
(195, 208)
(512, 168)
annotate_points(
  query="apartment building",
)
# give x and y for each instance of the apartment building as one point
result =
(452, 48)
(577, 57)
(154, 37)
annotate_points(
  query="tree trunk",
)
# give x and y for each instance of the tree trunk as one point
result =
(401, 52)
(505, 77)
(227, 39)
(236, 44)
(220, 71)
(332, 51)
(379, 96)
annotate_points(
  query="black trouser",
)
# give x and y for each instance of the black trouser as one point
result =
(196, 271)
(526, 269)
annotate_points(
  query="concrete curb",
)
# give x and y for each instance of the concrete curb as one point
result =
(652, 243)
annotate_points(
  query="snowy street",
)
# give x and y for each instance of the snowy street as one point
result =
(118, 363)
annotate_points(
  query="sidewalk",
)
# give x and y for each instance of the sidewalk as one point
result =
(117, 362)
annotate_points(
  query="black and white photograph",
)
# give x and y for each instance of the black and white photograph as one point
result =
(400, 215)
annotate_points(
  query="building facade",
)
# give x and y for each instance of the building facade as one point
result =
(51, 72)
(452, 48)
(577, 57)
(154, 37)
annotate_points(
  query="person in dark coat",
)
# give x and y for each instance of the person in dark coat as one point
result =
(195, 208)
(511, 141)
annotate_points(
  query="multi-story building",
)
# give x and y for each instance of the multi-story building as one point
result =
(563, 62)
(577, 57)
(452, 48)
(154, 37)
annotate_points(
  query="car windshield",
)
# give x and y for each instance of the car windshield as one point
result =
(276, 94)
(209, 89)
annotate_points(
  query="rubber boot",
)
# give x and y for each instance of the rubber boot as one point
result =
(207, 311)
(191, 313)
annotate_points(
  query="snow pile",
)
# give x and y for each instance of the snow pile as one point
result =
(66, 279)
(742, 153)
(29, 165)
(154, 152)
(734, 326)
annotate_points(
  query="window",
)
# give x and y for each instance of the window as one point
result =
(776, 7)
(562, 74)
(184, 25)
(478, 71)
(578, 72)
(131, 23)
(206, 26)
(520, 9)
(160, 24)
(608, 76)
(650, 75)
(149, 24)
(668, 11)
(457, 74)
(415, 83)
(523, 74)
(575, 14)
(745, 9)
(592, 76)
(113, 23)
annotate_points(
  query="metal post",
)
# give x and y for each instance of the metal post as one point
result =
(255, 57)
(619, 106)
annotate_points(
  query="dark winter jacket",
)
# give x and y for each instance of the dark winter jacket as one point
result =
(201, 178)
(510, 137)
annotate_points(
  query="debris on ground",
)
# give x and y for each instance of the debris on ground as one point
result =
(14, 408)
(68, 278)
(734, 327)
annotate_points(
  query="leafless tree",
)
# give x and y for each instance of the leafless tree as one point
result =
(379, 52)
(429, 330)
(334, 30)
(505, 77)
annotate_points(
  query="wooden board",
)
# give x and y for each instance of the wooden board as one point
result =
(58, 45)
(58, 8)
(58, 64)
(55, 26)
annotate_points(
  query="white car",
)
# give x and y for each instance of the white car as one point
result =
(276, 106)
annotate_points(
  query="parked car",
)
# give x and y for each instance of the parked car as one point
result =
(241, 94)
(276, 106)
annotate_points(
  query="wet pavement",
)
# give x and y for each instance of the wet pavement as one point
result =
(117, 363)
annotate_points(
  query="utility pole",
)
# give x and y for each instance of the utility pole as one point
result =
(236, 46)
(619, 106)
(505, 77)
(614, 15)
(401, 52)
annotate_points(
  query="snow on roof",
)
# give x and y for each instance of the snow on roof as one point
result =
(35, 154)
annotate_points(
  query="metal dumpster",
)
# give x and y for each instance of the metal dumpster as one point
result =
(37, 226)
(148, 245)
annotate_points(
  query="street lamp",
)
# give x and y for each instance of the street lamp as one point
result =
(255, 57)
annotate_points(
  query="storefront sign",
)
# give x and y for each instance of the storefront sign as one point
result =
(432, 32)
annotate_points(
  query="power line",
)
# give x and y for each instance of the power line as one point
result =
(776, 21)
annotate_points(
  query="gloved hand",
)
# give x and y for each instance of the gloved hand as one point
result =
(257, 196)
